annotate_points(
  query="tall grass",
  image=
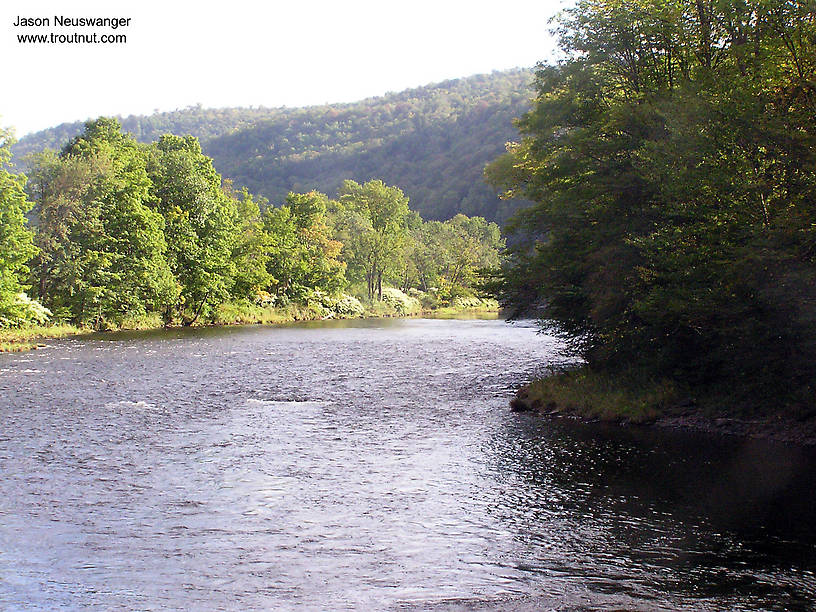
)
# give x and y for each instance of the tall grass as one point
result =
(608, 397)
(22, 339)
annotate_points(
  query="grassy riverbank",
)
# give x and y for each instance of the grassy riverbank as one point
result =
(597, 396)
(231, 314)
(16, 340)
(627, 398)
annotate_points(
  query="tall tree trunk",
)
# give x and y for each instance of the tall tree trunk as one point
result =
(198, 310)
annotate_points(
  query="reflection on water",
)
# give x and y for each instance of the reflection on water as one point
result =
(370, 465)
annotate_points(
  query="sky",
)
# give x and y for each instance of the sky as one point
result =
(263, 53)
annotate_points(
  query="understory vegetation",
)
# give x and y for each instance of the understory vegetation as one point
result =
(621, 396)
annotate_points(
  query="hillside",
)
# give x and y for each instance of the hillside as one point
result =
(432, 141)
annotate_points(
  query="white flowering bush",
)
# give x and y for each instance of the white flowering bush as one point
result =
(329, 306)
(22, 310)
(473, 303)
(348, 306)
(400, 302)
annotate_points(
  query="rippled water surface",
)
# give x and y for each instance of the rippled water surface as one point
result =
(370, 465)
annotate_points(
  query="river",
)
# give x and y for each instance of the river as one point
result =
(371, 465)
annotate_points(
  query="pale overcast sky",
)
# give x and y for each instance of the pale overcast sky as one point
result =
(242, 53)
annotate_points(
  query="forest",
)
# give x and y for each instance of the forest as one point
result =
(672, 161)
(432, 142)
(130, 234)
(662, 176)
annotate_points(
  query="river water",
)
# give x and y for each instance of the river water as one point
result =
(371, 465)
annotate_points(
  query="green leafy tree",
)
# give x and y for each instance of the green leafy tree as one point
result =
(303, 256)
(472, 244)
(449, 256)
(101, 246)
(16, 245)
(200, 224)
(381, 221)
(671, 162)
(429, 257)
(250, 249)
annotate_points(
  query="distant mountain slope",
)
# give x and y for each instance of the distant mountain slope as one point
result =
(432, 141)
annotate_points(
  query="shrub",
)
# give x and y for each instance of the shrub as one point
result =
(348, 306)
(328, 306)
(474, 303)
(24, 311)
(401, 303)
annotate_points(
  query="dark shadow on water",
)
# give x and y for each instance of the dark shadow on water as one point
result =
(680, 513)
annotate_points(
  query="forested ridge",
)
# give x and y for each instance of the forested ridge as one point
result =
(672, 162)
(432, 142)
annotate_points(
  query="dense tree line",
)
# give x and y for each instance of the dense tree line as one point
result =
(432, 142)
(672, 162)
(16, 244)
(123, 230)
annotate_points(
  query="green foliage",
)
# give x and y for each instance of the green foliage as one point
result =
(23, 311)
(243, 312)
(401, 303)
(448, 257)
(18, 339)
(16, 245)
(101, 246)
(347, 306)
(625, 397)
(301, 255)
(329, 306)
(250, 254)
(317, 306)
(147, 320)
(671, 159)
(131, 234)
(200, 224)
(432, 142)
(429, 300)
(377, 220)
(474, 303)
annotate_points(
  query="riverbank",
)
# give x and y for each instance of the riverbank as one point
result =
(588, 396)
(253, 315)
(25, 339)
